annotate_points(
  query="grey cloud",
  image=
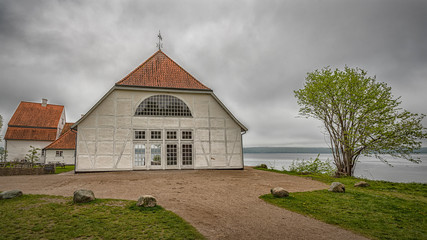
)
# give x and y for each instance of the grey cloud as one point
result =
(253, 54)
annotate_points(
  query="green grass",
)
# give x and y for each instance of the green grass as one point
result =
(67, 168)
(54, 217)
(385, 210)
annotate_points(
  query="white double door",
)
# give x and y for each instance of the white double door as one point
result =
(163, 155)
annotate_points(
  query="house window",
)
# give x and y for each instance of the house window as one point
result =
(171, 135)
(44, 152)
(156, 154)
(139, 134)
(58, 154)
(186, 135)
(187, 154)
(139, 154)
(163, 105)
(171, 154)
(156, 134)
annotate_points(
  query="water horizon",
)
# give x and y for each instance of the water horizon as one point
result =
(367, 167)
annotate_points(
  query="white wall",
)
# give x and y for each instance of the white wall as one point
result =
(61, 124)
(67, 156)
(105, 137)
(17, 149)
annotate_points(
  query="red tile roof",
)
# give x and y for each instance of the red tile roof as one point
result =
(32, 121)
(67, 127)
(37, 134)
(31, 114)
(66, 141)
(161, 72)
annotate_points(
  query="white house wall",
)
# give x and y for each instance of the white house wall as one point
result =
(67, 156)
(17, 149)
(105, 136)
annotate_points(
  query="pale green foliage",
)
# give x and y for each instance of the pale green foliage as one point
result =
(3, 154)
(33, 154)
(312, 166)
(360, 115)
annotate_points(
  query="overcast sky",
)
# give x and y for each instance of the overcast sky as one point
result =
(253, 54)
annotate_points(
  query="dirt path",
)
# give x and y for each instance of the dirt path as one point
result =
(221, 204)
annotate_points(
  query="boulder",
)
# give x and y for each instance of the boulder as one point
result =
(10, 194)
(146, 201)
(83, 196)
(361, 184)
(337, 187)
(279, 192)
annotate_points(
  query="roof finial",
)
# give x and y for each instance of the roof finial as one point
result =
(160, 44)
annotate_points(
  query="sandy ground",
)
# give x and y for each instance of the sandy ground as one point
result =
(221, 204)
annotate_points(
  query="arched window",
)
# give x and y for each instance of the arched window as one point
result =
(163, 105)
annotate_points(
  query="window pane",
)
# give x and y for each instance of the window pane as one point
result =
(170, 134)
(187, 135)
(163, 105)
(139, 134)
(172, 154)
(156, 134)
(156, 153)
(187, 154)
(139, 154)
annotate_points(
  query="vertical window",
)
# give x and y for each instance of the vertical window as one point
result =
(58, 154)
(187, 154)
(186, 135)
(139, 155)
(171, 154)
(43, 152)
(139, 134)
(156, 154)
(156, 134)
(171, 135)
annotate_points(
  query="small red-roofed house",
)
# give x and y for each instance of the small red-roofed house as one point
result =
(33, 124)
(62, 150)
(158, 117)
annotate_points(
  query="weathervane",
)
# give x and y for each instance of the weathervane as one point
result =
(160, 44)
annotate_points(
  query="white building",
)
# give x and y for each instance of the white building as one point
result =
(158, 117)
(33, 124)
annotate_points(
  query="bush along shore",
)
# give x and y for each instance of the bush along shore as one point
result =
(55, 217)
(382, 210)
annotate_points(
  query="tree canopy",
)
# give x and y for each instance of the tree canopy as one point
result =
(360, 116)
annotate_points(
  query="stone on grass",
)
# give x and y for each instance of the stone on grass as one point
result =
(337, 187)
(279, 192)
(10, 194)
(361, 184)
(146, 201)
(83, 196)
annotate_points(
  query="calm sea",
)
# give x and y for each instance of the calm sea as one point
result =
(367, 167)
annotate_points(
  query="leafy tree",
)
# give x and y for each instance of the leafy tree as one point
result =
(360, 115)
(32, 155)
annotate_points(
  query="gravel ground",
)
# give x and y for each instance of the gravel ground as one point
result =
(221, 204)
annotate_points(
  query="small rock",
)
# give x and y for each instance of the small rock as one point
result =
(361, 184)
(279, 192)
(146, 201)
(337, 187)
(83, 196)
(10, 194)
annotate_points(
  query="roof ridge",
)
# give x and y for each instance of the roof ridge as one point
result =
(41, 103)
(137, 68)
(185, 70)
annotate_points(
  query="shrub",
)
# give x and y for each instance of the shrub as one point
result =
(312, 166)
